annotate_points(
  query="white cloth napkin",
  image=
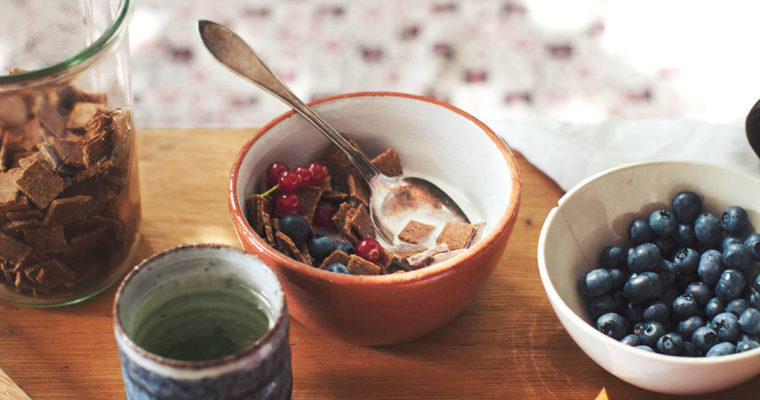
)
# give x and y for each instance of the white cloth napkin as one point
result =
(569, 153)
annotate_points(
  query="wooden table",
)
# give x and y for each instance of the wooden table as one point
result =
(507, 344)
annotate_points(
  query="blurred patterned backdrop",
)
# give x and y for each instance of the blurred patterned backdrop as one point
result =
(578, 61)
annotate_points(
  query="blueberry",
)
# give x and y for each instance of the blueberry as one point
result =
(596, 282)
(685, 236)
(700, 291)
(320, 247)
(730, 285)
(756, 282)
(662, 222)
(644, 257)
(670, 344)
(737, 306)
(685, 307)
(666, 245)
(631, 340)
(645, 348)
(749, 321)
(686, 206)
(652, 332)
(728, 240)
(726, 325)
(704, 338)
(689, 350)
(687, 327)
(734, 220)
(753, 298)
(634, 312)
(753, 242)
(638, 328)
(345, 247)
(714, 307)
(668, 295)
(612, 257)
(736, 255)
(602, 305)
(746, 345)
(721, 349)
(707, 229)
(640, 231)
(686, 260)
(685, 279)
(667, 272)
(337, 268)
(618, 278)
(710, 267)
(643, 287)
(295, 227)
(612, 325)
(744, 337)
(656, 312)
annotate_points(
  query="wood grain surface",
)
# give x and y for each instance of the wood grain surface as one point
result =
(507, 344)
(9, 389)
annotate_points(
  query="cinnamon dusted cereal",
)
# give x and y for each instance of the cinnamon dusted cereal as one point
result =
(415, 232)
(68, 218)
(335, 203)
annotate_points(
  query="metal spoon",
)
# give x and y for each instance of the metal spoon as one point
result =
(393, 200)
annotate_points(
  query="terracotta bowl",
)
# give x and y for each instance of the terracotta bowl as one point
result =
(595, 214)
(434, 140)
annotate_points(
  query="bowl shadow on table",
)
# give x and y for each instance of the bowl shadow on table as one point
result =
(578, 369)
(482, 353)
(396, 371)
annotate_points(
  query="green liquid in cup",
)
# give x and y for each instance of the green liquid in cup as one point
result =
(199, 318)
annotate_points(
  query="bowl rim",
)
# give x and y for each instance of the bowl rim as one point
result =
(559, 303)
(425, 273)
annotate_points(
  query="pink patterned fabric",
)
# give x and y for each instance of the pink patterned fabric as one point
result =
(491, 58)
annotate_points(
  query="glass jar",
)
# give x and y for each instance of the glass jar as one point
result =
(69, 193)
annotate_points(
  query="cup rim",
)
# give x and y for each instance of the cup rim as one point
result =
(244, 353)
(559, 304)
(75, 62)
(244, 230)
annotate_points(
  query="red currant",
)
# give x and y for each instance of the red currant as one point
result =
(286, 203)
(369, 249)
(273, 172)
(323, 214)
(288, 181)
(317, 173)
(303, 175)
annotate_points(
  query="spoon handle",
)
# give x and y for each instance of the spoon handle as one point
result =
(232, 51)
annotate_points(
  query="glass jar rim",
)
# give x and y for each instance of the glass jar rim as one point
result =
(76, 61)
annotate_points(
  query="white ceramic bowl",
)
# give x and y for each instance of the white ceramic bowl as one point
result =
(597, 213)
(433, 140)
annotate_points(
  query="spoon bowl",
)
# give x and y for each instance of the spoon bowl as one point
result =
(393, 200)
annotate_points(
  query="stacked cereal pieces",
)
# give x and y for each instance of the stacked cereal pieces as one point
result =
(455, 238)
(324, 220)
(66, 219)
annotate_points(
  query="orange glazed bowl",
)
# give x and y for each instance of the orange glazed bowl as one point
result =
(434, 141)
